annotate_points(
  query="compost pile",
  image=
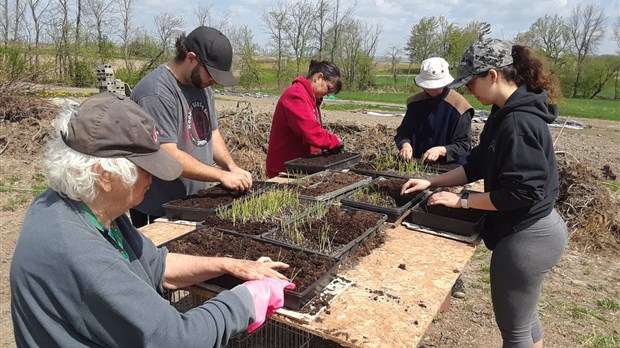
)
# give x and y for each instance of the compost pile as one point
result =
(587, 206)
(24, 120)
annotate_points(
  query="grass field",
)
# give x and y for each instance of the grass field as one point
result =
(584, 108)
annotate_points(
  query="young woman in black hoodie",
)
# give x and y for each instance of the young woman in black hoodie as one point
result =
(516, 159)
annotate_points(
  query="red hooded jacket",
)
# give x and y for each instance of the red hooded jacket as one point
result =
(296, 128)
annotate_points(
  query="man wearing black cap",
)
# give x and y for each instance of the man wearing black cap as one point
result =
(178, 95)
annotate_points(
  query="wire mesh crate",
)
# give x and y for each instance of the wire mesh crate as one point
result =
(271, 335)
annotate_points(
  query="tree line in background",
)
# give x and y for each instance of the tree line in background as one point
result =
(63, 41)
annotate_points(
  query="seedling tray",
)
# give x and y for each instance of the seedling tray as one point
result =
(375, 173)
(255, 229)
(330, 195)
(174, 211)
(432, 169)
(243, 248)
(316, 162)
(463, 222)
(392, 213)
(341, 250)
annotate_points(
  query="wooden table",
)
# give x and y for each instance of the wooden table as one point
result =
(397, 290)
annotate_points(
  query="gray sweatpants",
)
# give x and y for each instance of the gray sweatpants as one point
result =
(518, 266)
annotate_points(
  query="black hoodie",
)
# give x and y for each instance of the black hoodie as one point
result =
(516, 159)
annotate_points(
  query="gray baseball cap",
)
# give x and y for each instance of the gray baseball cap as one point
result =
(215, 52)
(108, 125)
(482, 56)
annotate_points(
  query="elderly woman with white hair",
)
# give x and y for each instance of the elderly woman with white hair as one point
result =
(83, 276)
(437, 124)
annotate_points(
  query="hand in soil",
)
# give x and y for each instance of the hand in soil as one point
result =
(264, 267)
(447, 199)
(415, 185)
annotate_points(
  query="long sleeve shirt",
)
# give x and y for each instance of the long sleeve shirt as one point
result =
(70, 287)
(443, 120)
(296, 128)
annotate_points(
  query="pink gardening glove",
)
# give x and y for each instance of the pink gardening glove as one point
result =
(268, 297)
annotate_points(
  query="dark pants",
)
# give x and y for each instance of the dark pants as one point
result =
(139, 219)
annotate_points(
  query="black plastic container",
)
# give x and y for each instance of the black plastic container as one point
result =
(463, 222)
(293, 299)
(392, 213)
(305, 165)
(432, 169)
(343, 250)
(176, 212)
(333, 194)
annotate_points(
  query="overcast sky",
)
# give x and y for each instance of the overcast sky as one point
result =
(507, 17)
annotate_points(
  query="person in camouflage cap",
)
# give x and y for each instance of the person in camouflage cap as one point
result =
(516, 159)
(481, 57)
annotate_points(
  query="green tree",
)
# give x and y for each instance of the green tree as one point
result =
(246, 49)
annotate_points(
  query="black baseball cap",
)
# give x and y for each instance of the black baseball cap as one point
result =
(109, 125)
(214, 50)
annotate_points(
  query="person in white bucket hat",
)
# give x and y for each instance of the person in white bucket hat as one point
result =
(437, 125)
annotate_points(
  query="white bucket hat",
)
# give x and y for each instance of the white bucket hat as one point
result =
(434, 74)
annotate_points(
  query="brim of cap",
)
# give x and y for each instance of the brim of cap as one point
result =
(461, 80)
(160, 164)
(223, 78)
(433, 84)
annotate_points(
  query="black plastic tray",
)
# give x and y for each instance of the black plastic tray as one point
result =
(176, 212)
(312, 206)
(393, 214)
(435, 169)
(343, 250)
(446, 223)
(292, 299)
(333, 194)
(297, 166)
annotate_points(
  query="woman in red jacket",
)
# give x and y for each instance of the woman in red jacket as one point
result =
(296, 128)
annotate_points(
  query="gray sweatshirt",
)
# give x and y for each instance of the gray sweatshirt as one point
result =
(72, 288)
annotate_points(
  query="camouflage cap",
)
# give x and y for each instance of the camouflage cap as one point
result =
(482, 56)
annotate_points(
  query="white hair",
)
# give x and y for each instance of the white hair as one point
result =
(70, 173)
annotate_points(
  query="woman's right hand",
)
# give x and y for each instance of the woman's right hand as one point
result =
(415, 185)
(406, 152)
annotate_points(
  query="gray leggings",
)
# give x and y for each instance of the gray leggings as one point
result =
(518, 266)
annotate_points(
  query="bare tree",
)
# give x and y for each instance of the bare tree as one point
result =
(168, 25)
(37, 11)
(224, 23)
(4, 24)
(586, 27)
(320, 26)
(393, 56)
(276, 22)
(298, 34)
(60, 35)
(99, 11)
(339, 20)
(616, 36)
(616, 33)
(203, 14)
(18, 18)
(126, 14)
(356, 54)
